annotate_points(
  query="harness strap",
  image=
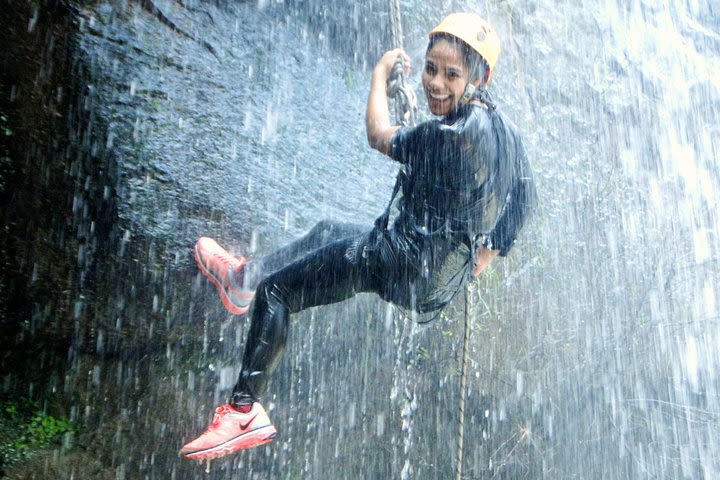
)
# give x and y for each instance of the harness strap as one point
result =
(382, 221)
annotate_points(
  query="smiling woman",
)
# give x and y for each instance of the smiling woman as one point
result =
(467, 190)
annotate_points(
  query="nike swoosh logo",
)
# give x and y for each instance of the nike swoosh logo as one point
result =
(244, 427)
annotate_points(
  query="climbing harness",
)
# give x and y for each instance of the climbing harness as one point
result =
(406, 114)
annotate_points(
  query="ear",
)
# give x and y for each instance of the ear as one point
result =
(482, 80)
(479, 81)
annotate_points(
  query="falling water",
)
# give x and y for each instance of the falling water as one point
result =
(133, 127)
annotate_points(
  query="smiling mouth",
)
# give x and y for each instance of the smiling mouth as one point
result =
(439, 98)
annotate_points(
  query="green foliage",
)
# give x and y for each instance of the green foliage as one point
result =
(349, 80)
(24, 428)
(422, 354)
(4, 129)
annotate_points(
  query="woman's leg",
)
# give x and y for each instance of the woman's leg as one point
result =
(323, 233)
(327, 275)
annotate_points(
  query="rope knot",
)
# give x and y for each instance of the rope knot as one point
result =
(403, 96)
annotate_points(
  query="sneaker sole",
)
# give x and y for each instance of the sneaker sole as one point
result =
(253, 438)
(224, 298)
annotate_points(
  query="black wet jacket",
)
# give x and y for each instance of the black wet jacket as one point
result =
(466, 175)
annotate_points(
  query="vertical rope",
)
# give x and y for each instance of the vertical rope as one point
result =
(463, 382)
(396, 26)
(406, 111)
(399, 91)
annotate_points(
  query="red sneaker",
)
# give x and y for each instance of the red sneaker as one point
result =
(220, 267)
(229, 431)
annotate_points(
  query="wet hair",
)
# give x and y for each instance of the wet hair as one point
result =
(474, 62)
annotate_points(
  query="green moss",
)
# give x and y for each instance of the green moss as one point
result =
(422, 354)
(4, 128)
(349, 79)
(25, 428)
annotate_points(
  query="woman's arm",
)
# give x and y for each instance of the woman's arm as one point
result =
(377, 114)
(519, 206)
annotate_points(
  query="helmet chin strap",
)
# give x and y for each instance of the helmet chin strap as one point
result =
(472, 92)
(468, 93)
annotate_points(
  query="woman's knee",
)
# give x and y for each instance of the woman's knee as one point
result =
(330, 230)
(271, 308)
(324, 227)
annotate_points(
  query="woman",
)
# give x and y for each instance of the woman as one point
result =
(463, 193)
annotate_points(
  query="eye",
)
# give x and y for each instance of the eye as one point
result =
(430, 68)
(453, 74)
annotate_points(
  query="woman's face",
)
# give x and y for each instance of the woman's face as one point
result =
(444, 77)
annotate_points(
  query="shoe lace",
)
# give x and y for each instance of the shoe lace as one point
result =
(224, 258)
(219, 414)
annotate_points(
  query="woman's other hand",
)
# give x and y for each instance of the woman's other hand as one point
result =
(377, 115)
(483, 257)
(387, 62)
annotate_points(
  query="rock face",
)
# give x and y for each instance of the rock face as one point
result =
(130, 128)
(34, 99)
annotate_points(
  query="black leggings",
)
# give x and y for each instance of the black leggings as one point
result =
(318, 269)
(333, 262)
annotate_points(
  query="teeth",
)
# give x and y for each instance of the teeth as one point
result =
(439, 97)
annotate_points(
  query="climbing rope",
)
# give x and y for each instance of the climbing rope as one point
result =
(406, 115)
(463, 382)
(396, 26)
(397, 89)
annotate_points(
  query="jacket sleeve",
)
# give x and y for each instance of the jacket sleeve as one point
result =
(426, 140)
(519, 205)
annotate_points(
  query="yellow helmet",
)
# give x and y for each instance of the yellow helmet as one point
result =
(476, 32)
